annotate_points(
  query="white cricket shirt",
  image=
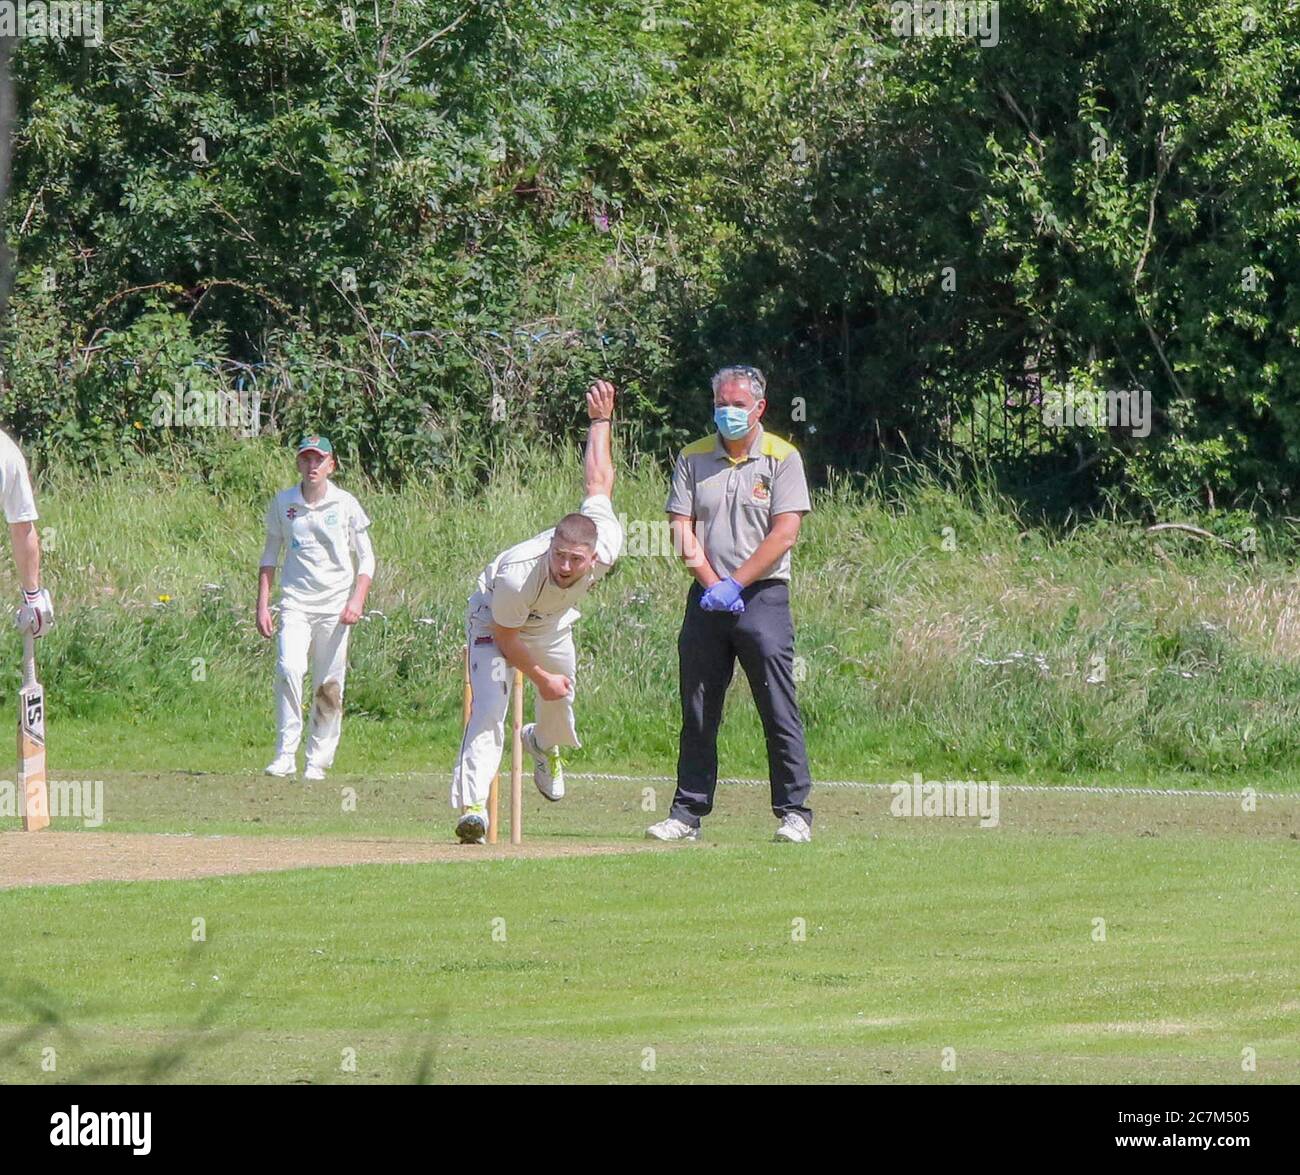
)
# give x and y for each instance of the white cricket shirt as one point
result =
(319, 541)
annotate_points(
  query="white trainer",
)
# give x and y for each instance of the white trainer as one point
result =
(672, 829)
(313, 772)
(794, 830)
(548, 771)
(284, 766)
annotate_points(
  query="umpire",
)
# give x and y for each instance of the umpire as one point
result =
(737, 500)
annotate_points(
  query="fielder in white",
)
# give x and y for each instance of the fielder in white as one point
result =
(521, 616)
(322, 527)
(37, 612)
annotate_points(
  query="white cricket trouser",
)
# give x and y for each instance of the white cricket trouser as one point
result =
(322, 639)
(490, 678)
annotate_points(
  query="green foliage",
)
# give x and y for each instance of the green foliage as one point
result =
(427, 227)
(366, 224)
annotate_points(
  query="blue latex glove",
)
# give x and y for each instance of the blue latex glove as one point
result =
(723, 596)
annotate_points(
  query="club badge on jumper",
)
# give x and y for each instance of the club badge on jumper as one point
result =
(291, 513)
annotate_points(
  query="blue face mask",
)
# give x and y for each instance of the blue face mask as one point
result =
(733, 423)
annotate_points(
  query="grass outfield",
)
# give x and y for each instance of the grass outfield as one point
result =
(1099, 656)
(920, 935)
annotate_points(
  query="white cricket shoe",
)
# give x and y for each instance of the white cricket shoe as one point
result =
(672, 829)
(548, 771)
(284, 766)
(794, 830)
(472, 827)
(313, 772)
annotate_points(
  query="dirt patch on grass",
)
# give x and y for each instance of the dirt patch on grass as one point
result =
(73, 858)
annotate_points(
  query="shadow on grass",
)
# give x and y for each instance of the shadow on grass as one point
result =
(47, 1012)
(45, 1015)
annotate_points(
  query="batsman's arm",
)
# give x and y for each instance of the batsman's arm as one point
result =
(688, 547)
(598, 463)
(551, 686)
(37, 612)
(27, 553)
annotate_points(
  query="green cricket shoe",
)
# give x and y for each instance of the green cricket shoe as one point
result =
(548, 770)
(472, 827)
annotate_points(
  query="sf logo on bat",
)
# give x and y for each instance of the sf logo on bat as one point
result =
(34, 717)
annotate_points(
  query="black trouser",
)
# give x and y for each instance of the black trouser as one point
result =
(762, 636)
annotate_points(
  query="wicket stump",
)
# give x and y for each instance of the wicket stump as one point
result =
(516, 759)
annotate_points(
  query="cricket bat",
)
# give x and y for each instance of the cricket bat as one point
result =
(31, 743)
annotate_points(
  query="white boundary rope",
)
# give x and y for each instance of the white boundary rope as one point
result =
(857, 785)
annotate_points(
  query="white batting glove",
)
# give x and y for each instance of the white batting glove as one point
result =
(37, 613)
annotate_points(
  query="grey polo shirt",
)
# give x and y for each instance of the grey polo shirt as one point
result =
(734, 501)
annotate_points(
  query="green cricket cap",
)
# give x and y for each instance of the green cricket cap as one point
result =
(316, 444)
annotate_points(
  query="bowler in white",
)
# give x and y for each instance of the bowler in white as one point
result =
(521, 616)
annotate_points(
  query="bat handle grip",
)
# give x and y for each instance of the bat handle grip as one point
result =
(29, 659)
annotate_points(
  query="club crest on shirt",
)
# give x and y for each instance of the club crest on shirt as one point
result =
(331, 519)
(291, 513)
(761, 494)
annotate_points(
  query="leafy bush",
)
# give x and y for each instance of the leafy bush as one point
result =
(429, 225)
